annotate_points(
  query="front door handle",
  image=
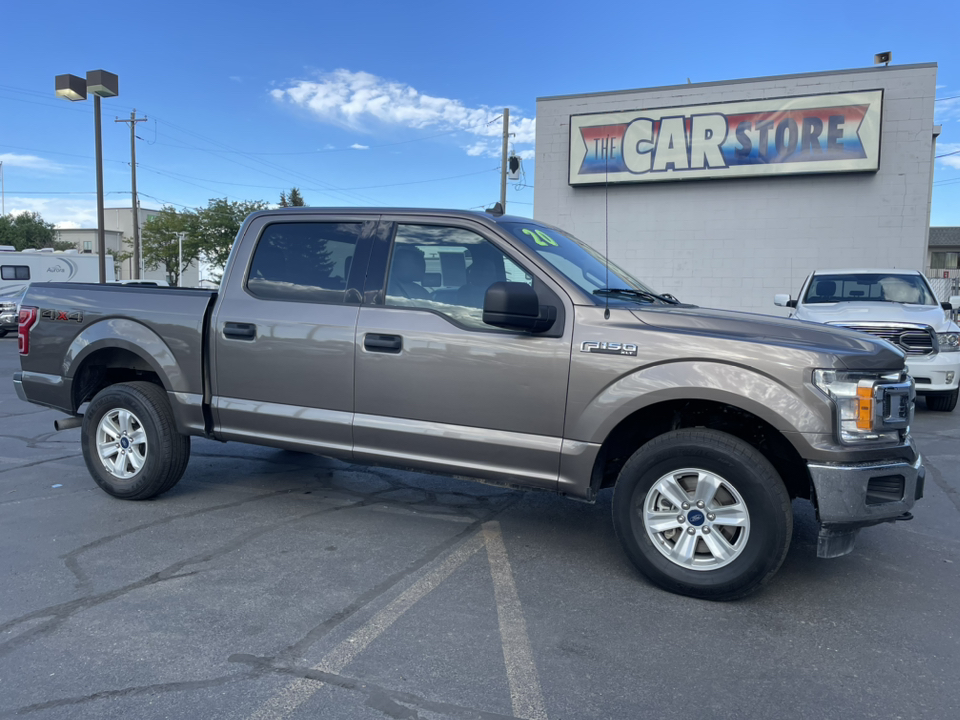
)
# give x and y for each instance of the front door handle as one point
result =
(240, 331)
(382, 343)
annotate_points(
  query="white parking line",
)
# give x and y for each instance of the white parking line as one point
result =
(525, 693)
(526, 696)
(302, 689)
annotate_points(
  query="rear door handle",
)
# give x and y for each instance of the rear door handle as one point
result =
(240, 331)
(382, 343)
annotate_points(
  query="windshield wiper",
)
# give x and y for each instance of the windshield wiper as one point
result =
(640, 294)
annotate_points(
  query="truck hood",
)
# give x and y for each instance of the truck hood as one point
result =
(855, 350)
(885, 312)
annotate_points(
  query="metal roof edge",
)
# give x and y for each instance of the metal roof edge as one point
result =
(739, 81)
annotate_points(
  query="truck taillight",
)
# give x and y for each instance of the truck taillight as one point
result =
(25, 322)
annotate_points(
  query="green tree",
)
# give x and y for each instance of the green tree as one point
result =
(293, 199)
(29, 231)
(160, 242)
(216, 226)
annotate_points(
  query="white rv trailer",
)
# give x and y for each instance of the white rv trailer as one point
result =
(19, 269)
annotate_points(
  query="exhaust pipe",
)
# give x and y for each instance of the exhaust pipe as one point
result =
(68, 422)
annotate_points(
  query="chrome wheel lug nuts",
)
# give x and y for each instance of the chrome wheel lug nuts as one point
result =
(680, 519)
(711, 517)
(700, 504)
(691, 530)
(685, 506)
(706, 531)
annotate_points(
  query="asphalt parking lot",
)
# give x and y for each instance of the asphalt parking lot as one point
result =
(270, 585)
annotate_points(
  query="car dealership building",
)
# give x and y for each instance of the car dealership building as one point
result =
(725, 193)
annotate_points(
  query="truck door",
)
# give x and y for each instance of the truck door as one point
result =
(437, 388)
(283, 334)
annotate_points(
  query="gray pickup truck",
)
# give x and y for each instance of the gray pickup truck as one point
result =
(494, 348)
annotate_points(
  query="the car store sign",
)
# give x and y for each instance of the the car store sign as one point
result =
(774, 136)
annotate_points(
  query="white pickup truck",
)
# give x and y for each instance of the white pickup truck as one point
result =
(898, 306)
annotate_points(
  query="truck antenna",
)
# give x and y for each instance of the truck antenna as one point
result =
(606, 242)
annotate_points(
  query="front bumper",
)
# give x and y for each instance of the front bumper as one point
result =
(853, 496)
(931, 372)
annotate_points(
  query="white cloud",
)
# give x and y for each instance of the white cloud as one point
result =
(946, 110)
(951, 161)
(358, 146)
(356, 100)
(30, 162)
(63, 213)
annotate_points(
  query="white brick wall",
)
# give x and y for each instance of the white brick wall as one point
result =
(735, 243)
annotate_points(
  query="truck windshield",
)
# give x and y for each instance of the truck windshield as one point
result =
(583, 265)
(869, 287)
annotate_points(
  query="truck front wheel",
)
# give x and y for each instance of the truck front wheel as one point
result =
(702, 513)
(130, 441)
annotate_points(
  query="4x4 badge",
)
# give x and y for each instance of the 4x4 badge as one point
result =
(608, 348)
(62, 315)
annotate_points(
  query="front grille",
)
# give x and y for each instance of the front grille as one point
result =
(912, 339)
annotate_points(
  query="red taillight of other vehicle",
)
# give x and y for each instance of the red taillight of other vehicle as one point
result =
(25, 322)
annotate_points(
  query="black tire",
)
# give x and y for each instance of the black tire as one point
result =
(943, 402)
(3, 332)
(163, 456)
(757, 549)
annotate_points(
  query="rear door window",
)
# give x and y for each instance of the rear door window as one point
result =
(304, 262)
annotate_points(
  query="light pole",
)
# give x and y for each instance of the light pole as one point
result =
(102, 84)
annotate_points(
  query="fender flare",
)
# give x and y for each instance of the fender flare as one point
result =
(735, 385)
(127, 335)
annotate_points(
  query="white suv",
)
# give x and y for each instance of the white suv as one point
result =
(898, 306)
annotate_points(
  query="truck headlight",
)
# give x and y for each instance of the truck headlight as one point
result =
(861, 409)
(949, 342)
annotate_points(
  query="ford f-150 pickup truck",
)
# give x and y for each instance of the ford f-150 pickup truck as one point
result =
(494, 348)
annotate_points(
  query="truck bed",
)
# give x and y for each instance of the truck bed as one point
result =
(163, 326)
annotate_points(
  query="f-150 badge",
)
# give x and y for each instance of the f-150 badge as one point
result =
(608, 348)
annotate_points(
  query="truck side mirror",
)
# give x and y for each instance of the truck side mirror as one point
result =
(783, 300)
(947, 306)
(512, 306)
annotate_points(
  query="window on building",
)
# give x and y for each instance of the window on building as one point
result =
(447, 270)
(15, 272)
(945, 260)
(88, 246)
(303, 262)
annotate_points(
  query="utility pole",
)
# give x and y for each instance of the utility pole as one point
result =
(133, 175)
(503, 160)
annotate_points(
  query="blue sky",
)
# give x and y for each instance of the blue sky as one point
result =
(373, 103)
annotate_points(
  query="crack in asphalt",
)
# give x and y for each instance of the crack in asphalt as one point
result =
(60, 613)
(951, 493)
(135, 690)
(70, 558)
(299, 649)
(39, 462)
(393, 703)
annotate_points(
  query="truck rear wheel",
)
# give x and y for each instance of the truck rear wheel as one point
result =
(130, 441)
(944, 402)
(702, 513)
